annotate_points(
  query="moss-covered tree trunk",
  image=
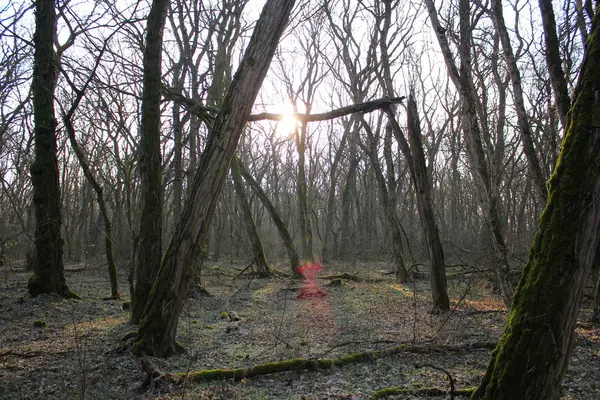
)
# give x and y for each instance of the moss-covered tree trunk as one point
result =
(156, 334)
(284, 233)
(533, 353)
(48, 270)
(150, 247)
(262, 266)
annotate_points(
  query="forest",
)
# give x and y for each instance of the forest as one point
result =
(300, 199)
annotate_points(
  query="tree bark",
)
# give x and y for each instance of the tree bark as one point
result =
(533, 353)
(48, 270)
(150, 245)
(262, 266)
(156, 334)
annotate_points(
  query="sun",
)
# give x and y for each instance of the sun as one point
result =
(288, 124)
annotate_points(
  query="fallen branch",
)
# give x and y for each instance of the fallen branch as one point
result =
(209, 113)
(301, 364)
(341, 276)
(392, 391)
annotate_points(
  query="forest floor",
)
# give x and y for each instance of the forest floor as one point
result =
(72, 349)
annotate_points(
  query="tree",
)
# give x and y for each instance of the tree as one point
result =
(462, 77)
(48, 275)
(416, 163)
(533, 353)
(262, 266)
(286, 238)
(554, 61)
(150, 249)
(522, 118)
(156, 334)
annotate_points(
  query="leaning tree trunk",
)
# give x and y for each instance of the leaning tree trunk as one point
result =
(286, 238)
(48, 270)
(150, 247)
(418, 170)
(262, 266)
(108, 236)
(554, 61)
(156, 334)
(533, 353)
(522, 118)
(462, 78)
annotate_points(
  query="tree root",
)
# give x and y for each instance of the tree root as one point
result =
(301, 364)
(391, 391)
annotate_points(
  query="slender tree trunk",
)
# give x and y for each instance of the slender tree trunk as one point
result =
(388, 206)
(48, 270)
(304, 217)
(108, 236)
(596, 279)
(177, 161)
(156, 334)
(554, 61)
(286, 238)
(262, 266)
(348, 194)
(522, 118)
(327, 241)
(150, 248)
(533, 353)
(463, 80)
(416, 161)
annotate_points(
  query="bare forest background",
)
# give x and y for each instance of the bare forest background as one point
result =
(329, 57)
(154, 138)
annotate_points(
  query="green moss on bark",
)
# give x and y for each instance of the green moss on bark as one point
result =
(532, 356)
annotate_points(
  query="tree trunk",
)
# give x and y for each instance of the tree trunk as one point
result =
(108, 236)
(554, 61)
(156, 334)
(596, 280)
(533, 353)
(463, 80)
(262, 266)
(150, 247)
(303, 217)
(388, 206)
(522, 118)
(48, 270)
(329, 234)
(286, 238)
(346, 234)
(416, 161)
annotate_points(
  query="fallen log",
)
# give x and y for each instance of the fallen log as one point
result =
(421, 392)
(301, 364)
(341, 276)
